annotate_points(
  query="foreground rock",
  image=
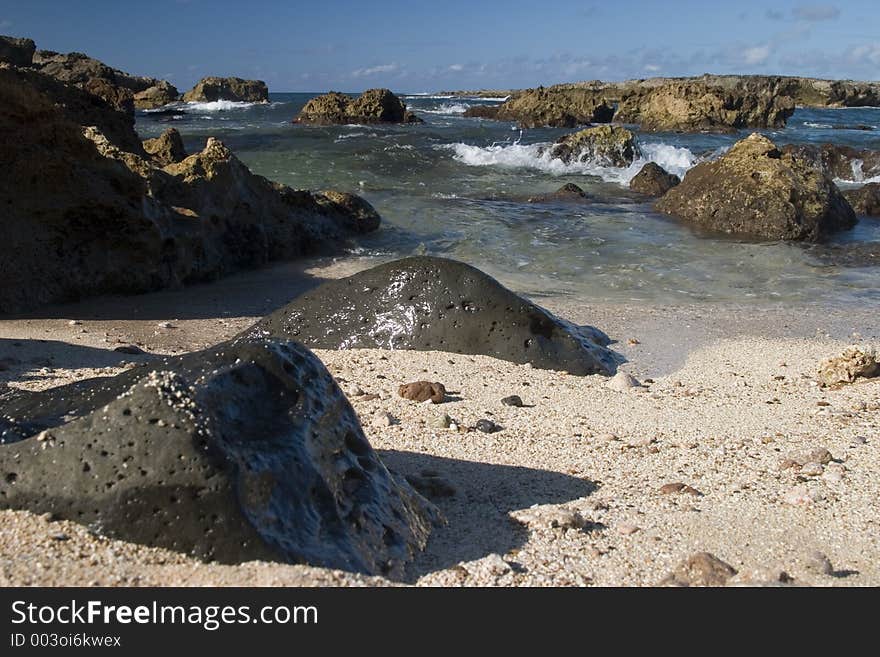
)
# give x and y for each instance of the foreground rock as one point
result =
(755, 190)
(551, 107)
(865, 200)
(653, 180)
(167, 148)
(90, 212)
(428, 303)
(212, 89)
(372, 106)
(604, 145)
(245, 451)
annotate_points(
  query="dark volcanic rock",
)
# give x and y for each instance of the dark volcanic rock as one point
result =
(757, 191)
(15, 51)
(865, 200)
(372, 106)
(235, 89)
(568, 192)
(427, 303)
(653, 180)
(247, 450)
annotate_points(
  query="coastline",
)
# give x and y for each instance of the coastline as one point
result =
(717, 417)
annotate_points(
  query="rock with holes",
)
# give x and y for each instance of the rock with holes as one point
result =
(247, 450)
(428, 303)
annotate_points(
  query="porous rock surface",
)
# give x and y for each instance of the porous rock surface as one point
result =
(247, 450)
(604, 145)
(372, 106)
(430, 303)
(212, 89)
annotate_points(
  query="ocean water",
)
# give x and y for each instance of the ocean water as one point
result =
(457, 187)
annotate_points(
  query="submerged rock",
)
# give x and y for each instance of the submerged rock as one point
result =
(428, 303)
(604, 145)
(865, 200)
(568, 192)
(247, 450)
(212, 89)
(372, 106)
(167, 148)
(653, 180)
(758, 191)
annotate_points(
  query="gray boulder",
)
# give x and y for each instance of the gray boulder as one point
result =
(247, 450)
(428, 303)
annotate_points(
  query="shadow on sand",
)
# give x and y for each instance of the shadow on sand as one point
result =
(478, 520)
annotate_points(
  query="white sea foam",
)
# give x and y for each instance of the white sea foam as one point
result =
(515, 155)
(826, 126)
(218, 106)
(858, 175)
(445, 108)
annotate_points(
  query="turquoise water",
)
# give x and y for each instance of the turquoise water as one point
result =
(457, 187)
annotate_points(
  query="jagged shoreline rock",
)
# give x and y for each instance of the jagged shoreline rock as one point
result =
(756, 190)
(837, 161)
(547, 107)
(372, 106)
(212, 89)
(653, 180)
(247, 450)
(426, 303)
(865, 200)
(604, 145)
(91, 212)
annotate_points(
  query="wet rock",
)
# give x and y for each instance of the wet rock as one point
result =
(865, 200)
(653, 180)
(837, 161)
(486, 426)
(421, 391)
(700, 569)
(372, 106)
(604, 145)
(512, 400)
(755, 190)
(568, 192)
(167, 148)
(15, 51)
(245, 451)
(428, 303)
(212, 89)
(349, 210)
(855, 362)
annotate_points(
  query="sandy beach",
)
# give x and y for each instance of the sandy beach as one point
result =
(578, 486)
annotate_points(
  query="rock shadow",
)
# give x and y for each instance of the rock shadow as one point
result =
(477, 514)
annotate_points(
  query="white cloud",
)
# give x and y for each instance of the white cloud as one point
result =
(456, 67)
(374, 70)
(816, 12)
(756, 55)
(652, 68)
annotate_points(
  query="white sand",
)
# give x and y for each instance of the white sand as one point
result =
(733, 396)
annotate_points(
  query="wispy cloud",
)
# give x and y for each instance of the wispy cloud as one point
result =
(756, 54)
(815, 13)
(375, 70)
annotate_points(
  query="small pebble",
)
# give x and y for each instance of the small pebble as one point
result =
(487, 426)
(513, 400)
(627, 529)
(818, 563)
(622, 382)
(442, 421)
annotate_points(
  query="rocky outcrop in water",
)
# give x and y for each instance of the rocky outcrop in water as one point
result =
(156, 95)
(756, 190)
(428, 303)
(247, 450)
(234, 89)
(567, 193)
(372, 106)
(840, 162)
(604, 145)
(17, 52)
(865, 200)
(698, 105)
(556, 107)
(89, 212)
(653, 180)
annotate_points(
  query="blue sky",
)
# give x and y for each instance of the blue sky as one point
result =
(411, 46)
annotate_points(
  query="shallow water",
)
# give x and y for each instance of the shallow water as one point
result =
(457, 187)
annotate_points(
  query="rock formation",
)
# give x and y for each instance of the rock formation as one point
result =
(167, 148)
(235, 89)
(839, 162)
(372, 106)
(17, 52)
(552, 106)
(604, 145)
(653, 180)
(865, 200)
(247, 450)
(90, 212)
(426, 303)
(756, 190)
